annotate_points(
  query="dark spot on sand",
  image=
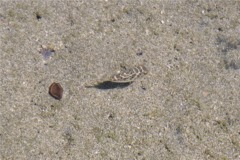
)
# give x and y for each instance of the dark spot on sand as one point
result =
(56, 91)
(111, 116)
(111, 85)
(139, 53)
(38, 15)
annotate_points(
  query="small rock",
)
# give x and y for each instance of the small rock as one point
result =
(56, 91)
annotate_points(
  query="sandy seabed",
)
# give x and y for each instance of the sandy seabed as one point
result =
(186, 107)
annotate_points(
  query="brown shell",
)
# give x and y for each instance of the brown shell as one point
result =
(56, 91)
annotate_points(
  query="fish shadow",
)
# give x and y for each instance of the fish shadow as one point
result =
(111, 85)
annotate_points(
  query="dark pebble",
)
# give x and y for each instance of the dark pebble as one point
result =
(56, 91)
(139, 53)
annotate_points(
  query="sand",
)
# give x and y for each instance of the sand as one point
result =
(186, 107)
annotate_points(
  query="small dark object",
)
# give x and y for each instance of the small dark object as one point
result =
(109, 85)
(56, 91)
(38, 16)
(111, 116)
(144, 88)
(139, 53)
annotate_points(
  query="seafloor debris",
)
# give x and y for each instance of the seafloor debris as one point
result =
(46, 51)
(56, 91)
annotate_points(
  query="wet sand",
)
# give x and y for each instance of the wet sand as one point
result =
(186, 107)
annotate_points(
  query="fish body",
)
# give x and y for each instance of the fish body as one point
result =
(129, 74)
(126, 75)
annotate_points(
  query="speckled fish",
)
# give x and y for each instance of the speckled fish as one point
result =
(125, 75)
(129, 74)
